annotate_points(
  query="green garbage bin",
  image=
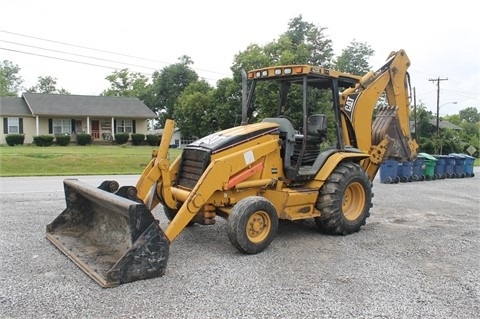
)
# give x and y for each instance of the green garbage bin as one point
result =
(429, 162)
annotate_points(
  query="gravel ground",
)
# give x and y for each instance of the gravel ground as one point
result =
(417, 257)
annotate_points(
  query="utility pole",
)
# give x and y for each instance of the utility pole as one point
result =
(438, 101)
(415, 113)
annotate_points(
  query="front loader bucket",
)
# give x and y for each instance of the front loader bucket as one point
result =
(113, 239)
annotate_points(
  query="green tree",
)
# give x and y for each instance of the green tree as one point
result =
(124, 83)
(253, 57)
(354, 58)
(168, 84)
(447, 140)
(302, 43)
(194, 111)
(10, 80)
(227, 98)
(450, 142)
(425, 132)
(310, 41)
(470, 124)
(470, 115)
(48, 85)
(454, 119)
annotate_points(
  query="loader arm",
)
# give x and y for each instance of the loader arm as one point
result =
(157, 171)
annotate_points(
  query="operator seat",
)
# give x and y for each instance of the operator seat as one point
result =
(316, 127)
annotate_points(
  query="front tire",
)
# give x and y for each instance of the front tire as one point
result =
(252, 224)
(344, 200)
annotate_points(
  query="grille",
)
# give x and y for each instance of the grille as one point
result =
(194, 162)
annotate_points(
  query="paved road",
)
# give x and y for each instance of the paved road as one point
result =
(417, 257)
(47, 184)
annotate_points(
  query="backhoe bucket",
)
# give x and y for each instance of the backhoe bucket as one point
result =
(387, 126)
(113, 239)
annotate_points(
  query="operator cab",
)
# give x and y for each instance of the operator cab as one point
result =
(307, 97)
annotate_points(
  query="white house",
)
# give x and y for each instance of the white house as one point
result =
(100, 116)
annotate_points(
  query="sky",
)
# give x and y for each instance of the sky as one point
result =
(80, 43)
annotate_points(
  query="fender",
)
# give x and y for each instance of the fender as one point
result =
(332, 162)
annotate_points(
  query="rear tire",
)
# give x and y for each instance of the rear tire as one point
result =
(252, 224)
(344, 200)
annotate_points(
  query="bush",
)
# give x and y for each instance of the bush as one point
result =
(43, 140)
(153, 139)
(62, 140)
(84, 139)
(15, 139)
(138, 139)
(121, 138)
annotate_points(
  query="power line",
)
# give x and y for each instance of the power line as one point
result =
(80, 55)
(76, 54)
(106, 51)
(67, 60)
(85, 63)
(84, 47)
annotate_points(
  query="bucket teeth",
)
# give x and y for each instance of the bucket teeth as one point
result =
(387, 126)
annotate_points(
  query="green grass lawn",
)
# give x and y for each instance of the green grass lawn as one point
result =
(31, 160)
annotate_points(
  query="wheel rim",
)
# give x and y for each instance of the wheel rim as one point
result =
(258, 227)
(353, 201)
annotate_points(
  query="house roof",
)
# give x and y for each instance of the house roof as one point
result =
(13, 106)
(441, 124)
(86, 105)
(445, 124)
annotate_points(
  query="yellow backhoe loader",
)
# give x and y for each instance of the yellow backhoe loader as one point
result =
(287, 166)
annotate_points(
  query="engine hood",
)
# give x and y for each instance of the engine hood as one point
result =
(233, 136)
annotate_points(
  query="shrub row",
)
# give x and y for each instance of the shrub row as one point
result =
(153, 139)
(83, 139)
(15, 139)
(138, 139)
(47, 140)
(62, 140)
(43, 140)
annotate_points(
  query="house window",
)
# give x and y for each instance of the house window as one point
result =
(62, 126)
(13, 125)
(124, 126)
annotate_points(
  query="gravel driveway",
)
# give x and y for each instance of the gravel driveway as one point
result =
(417, 257)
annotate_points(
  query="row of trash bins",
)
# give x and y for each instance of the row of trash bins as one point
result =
(427, 167)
